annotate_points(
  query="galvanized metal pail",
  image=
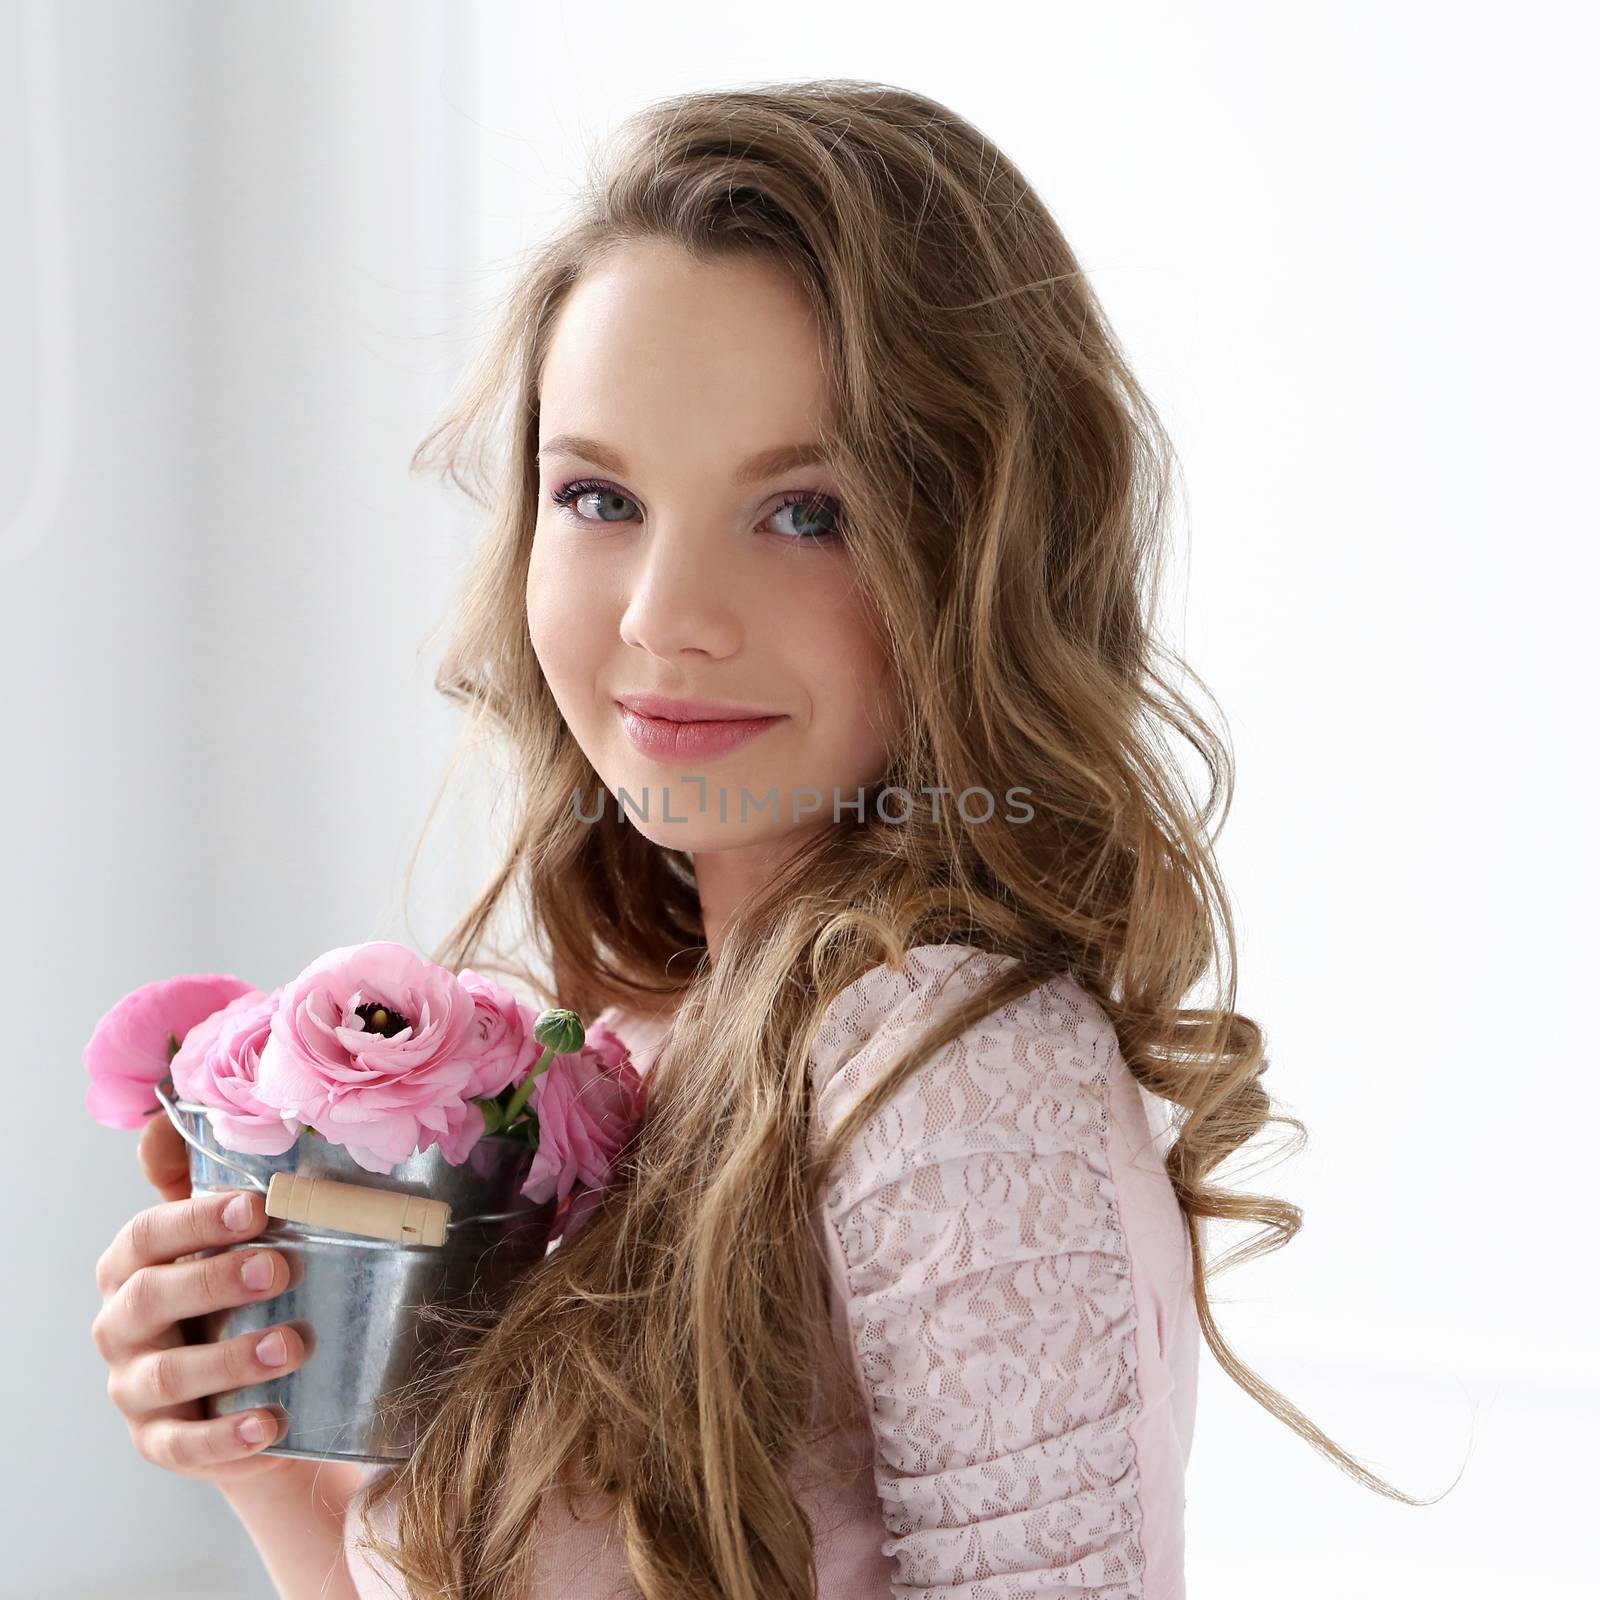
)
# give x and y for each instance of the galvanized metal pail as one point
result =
(361, 1304)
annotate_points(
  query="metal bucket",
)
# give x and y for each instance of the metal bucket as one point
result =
(360, 1304)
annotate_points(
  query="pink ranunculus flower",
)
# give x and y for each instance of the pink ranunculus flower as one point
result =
(374, 1047)
(464, 1127)
(588, 1105)
(506, 1051)
(607, 1046)
(128, 1053)
(217, 1066)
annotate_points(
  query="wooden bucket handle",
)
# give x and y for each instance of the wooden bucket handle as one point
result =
(354, 1208)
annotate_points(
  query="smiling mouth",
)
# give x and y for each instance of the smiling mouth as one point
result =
(672, 740)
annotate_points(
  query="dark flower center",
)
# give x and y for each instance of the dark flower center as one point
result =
(379, 1019)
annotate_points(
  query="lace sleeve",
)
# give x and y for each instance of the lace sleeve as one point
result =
(988, 1288)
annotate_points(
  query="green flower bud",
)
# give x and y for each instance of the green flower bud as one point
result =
(559, 1031)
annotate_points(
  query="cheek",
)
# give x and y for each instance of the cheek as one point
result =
(856, 694)
(536, 605)
(560, 627)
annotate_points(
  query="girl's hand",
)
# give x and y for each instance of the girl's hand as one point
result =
(148, 1285)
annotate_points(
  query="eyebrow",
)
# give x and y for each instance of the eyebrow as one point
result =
(764, 464)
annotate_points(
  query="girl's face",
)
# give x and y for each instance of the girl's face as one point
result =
(675, 555)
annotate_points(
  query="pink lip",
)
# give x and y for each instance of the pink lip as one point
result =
(672, 739)
(665, 709)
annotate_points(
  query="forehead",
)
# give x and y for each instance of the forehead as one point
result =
(653, 350)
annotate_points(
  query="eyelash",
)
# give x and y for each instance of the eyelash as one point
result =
(802, 497)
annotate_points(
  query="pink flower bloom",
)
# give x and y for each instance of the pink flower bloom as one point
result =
(375, 1048)
(129, 1050)
(217, 1067)
(607, 1046)
(506, 1048)
(464, 1127)
(588, 1105)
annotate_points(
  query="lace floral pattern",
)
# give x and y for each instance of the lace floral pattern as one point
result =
(989, 1289)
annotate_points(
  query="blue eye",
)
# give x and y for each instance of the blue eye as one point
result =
(583, 489)
(812, 505)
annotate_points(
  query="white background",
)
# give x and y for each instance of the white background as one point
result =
(244, 253)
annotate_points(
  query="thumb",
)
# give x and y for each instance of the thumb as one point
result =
(164, 1157)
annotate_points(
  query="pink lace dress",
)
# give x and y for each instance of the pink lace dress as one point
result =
(1012, 1294)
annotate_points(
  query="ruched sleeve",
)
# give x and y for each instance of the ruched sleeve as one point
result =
(988, 1286)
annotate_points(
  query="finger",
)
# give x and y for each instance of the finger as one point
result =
(156, 1297)
(166, 1378)
(175, 1228)
(164, 1158)
(177, 1445)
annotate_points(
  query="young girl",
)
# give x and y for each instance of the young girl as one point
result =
(816, 609)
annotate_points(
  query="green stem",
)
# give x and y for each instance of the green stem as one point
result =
(520, 1098)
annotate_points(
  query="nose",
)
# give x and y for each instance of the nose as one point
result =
(685, 596)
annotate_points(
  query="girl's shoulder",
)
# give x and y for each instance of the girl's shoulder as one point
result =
(1037, 1055)
(1054, 1039)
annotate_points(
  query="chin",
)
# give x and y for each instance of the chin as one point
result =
(707, 836)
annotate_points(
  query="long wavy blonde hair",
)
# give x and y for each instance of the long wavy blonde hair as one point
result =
(1006, 484)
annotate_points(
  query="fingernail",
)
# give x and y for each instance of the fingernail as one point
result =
(251, 1431)
(257, 1272)
(236, 1214)
(272, 1351)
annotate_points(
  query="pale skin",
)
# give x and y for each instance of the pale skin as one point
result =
(671, 576)
(675, 578)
